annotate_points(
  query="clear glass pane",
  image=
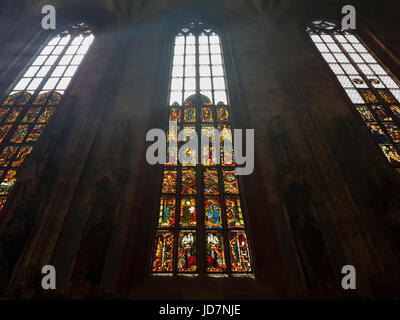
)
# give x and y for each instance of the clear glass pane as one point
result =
(341, 58)
(204, 59)
(43, 71)
(39, 60)
(77, 59)
(205, 84)
(70, 71)
(31, 71)
(58, 71)
(58, 50)
(83, 49)
(356, 57)
(218, 70)
(22, 84)
(65, 60)
(54, 41)
(365, 69)
(216, 59)
(64, 40)
(63, 84)
(341, 39)
(220, 96)
(203, 49)
(322, 47)
(176, 83)
(191, 59)
(190, 84)
(205, 71)
(190, 39)
(180, 40)
(214, 39)
(47, 50)
(72, 49)
(219, 83)
(327, 38)
(354, 96)
(77, 40)
(349, 69)
(178, 60)
(345, 82)
(328, 57)
(336, 68)
(378, 69)
(190, 49)
(51, 84)
(388, 81)
(368, 58)
(88, 40)
(175, 96)
(316, 38)
(190, 71)
(215, 49)
(203, 39)
(51, 60)
(35, 84)
(177, 71)
(348, 48)
(179, 50)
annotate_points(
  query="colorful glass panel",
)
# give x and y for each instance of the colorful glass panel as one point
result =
(240, 256)
(163, 255)
(23, 152)
(211, 186)
(13, 115)
(213, 212)
(20, 133)
(189, 115)
(6, 155)
(187, 260)
(46, 114)
(188, 181)
(230, 182)
(31, 115)
(37, 130)
(167, 212)
(234, 214)
(169, 181)
(206, 115)
(8, 183)
(4, 130)
(188, 212)
(222, 114)
(215, 252)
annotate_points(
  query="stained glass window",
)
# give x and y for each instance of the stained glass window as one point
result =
(31, 102)
(201, 226)
(370, 86)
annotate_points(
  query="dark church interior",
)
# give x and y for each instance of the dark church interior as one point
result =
(78, 193)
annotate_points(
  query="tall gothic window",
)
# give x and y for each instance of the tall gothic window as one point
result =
(34, 97)
(201, 226)
(370, 86)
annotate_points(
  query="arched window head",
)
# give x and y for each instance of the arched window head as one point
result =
(34, 97)
(200, 225)
(370, 86)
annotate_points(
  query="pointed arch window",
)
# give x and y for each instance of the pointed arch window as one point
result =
(32, 100)
(201, 224)
(371, 87)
